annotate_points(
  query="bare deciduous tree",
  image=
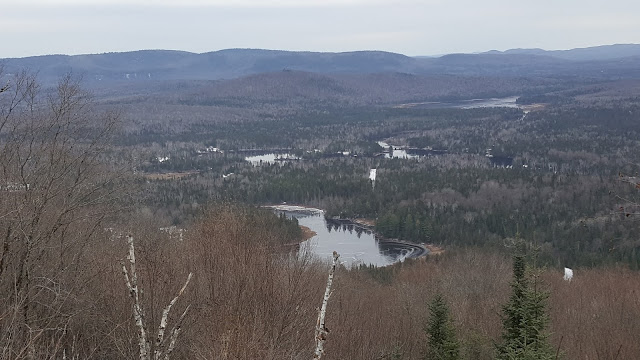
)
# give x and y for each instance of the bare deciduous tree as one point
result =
(54, 195)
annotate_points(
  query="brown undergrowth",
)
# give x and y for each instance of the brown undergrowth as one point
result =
(250, 300)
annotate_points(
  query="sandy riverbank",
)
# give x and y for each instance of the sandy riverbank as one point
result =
(307, 233)
(366, 222)
(434, 250)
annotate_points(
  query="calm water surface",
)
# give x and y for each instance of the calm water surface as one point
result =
(470, 104)
(355, 245)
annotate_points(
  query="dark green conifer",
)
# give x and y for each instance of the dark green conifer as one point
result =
(524, 320)
(442, 344)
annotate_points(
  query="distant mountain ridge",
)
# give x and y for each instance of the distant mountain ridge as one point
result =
(612, 61)
(603, 52)
(223, 64)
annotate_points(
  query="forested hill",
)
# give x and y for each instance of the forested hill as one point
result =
(225, 64)
(335, 90)
(603, 52)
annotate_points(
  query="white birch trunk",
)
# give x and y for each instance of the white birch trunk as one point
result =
(163, 324)
(174, 334)
(321, 329)
(138, 314)
(132, 285)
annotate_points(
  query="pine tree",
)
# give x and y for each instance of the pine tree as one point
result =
(524, 320)
(443, 344)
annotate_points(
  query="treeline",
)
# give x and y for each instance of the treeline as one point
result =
(573, 216)
(556, 138)
(556, 184)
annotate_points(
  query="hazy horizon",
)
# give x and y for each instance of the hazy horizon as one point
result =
(308, 51)
(409, 27)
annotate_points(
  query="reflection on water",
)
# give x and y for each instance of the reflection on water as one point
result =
(354, 244)
(501, 161)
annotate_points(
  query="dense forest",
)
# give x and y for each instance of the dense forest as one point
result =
(551, 174)
(135, 212)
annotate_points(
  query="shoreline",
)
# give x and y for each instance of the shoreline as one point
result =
(365, 224)
(434, 250)
(307, 233)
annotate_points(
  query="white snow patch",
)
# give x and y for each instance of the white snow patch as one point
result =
(568, 274)
(209, 149)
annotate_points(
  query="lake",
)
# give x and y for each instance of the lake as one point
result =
(466, 104)
(354, 244)
(407, 153)
(270, 158)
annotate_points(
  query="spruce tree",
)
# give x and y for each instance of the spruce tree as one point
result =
(524, 320)
(442, 344)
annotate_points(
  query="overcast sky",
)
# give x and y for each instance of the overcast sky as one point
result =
(411, 27)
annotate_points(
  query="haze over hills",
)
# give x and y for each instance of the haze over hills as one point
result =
(298, 87)
(603, 62)
(223, 64)
(603, 52)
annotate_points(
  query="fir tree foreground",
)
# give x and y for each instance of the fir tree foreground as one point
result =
(524, 319)
(443, 344)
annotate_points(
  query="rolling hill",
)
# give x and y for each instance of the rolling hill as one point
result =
(604, 62)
